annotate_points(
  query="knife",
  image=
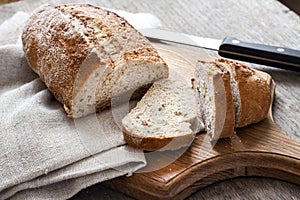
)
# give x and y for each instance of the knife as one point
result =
(229, 47)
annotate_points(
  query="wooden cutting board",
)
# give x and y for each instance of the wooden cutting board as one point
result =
(256, 150)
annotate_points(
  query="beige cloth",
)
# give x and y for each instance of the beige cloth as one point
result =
(44, 154)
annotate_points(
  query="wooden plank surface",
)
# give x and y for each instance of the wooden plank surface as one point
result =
(257, 21)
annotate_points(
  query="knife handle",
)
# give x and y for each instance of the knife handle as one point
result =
(261, 54)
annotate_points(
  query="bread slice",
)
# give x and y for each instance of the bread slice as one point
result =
(252, 94)
(164, 119)
(212, 87)
(87, 56)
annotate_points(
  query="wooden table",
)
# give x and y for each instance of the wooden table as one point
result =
(266, 22)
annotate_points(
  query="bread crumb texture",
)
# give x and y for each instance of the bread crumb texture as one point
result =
(167, 111)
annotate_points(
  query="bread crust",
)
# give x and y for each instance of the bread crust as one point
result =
(224, 115)
(254, 91)
(57, 40)
(228, 127)
(156, 143)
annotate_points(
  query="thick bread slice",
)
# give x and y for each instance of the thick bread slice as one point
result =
(164, 118)
(87, 55)
(252, 94)
(212, 87)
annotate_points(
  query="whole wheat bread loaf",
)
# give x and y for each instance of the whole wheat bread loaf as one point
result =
(87, 55)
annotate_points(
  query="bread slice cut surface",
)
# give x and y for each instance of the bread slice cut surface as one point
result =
(164, 119)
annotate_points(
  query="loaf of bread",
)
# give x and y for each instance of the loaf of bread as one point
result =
(231, 95)
(87, 55)
(164, 119)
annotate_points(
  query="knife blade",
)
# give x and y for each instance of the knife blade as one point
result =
(229, 47)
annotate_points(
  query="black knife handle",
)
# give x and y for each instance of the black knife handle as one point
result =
(261, 54)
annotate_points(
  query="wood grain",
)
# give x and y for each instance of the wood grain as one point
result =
(256, 150)
(267, 22)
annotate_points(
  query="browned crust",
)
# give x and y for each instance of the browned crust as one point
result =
(44, 54)
(146, 143)
(7, 1)
(223, 97)
(228, 128)
(57, 56)
(255, 94)
(157, 143)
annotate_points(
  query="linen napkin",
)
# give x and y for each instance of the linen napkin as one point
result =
(43, 153)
